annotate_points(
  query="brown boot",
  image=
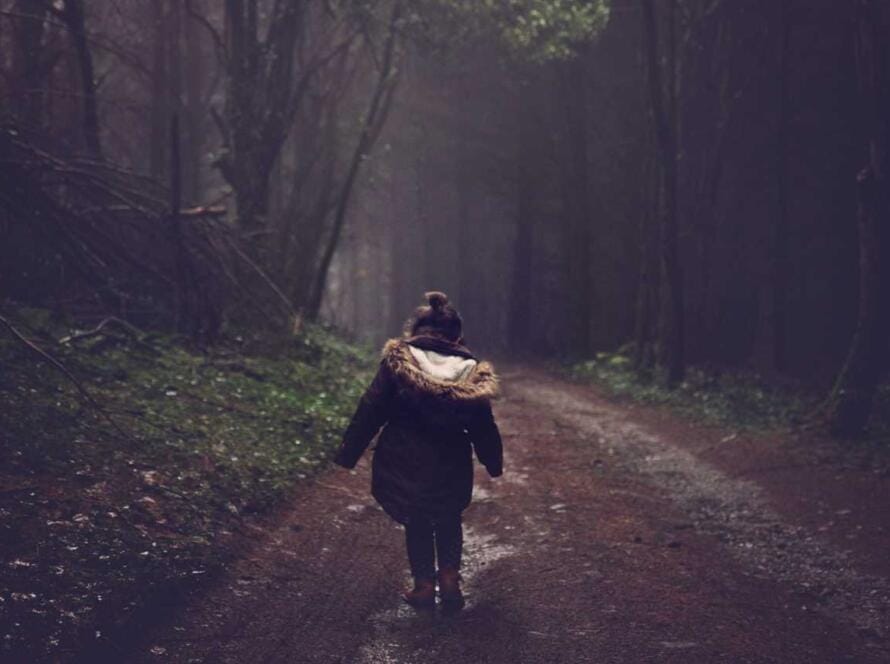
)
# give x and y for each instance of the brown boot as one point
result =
(449, 590)
(423, 596)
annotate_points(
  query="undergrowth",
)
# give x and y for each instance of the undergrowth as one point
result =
(96, 523)
(731, 398)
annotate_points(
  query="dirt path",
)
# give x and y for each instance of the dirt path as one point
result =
(607, 540)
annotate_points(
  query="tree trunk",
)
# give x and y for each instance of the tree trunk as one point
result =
(28, 62)
(400, 252)
(468, 287)
(671, 328)
(181, 296)
(850, 403)
(375, 117)
(780, 276)
(577, 231)
(160, 112)
(311, 205)
(262, 95)
(75, 21)
(174, 69)
(646, 310)
(520, 316)
(424, 219)
(192, 111)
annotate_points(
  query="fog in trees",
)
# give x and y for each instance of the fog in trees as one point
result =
(695, 184)
(682, 185)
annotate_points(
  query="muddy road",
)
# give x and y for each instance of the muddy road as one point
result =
(613, 536)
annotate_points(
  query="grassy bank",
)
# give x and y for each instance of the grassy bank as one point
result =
(731, 398)
(100, 520)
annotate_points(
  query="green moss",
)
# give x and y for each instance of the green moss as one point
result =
(99, 521)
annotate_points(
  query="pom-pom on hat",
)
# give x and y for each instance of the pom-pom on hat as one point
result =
(437, 317)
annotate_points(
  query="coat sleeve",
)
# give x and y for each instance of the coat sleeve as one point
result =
(372, 413)
(487, 440)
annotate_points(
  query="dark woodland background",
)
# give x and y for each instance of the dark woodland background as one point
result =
(697, 182)
(211, 211)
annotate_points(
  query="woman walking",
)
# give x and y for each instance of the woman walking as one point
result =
(432, 397)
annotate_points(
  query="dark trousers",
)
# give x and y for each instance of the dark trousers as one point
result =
(428, 540)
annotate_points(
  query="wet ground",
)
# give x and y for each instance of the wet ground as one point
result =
(615, 535)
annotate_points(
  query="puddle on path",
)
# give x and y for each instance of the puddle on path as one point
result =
(402, 635)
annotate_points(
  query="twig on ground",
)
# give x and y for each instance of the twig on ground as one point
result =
(137, 334)
(98, 330)
(61, 367)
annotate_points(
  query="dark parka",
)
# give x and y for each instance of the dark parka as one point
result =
(423, 461)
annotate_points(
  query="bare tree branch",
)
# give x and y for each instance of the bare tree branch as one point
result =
(61, 367)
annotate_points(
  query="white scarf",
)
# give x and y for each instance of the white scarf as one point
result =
(449, 368)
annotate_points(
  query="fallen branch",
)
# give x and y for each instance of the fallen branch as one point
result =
(268, 281)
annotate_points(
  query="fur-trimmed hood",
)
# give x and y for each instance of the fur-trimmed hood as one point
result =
(474, 380)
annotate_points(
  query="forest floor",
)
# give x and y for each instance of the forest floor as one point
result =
(618, 533)
(100, 522)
